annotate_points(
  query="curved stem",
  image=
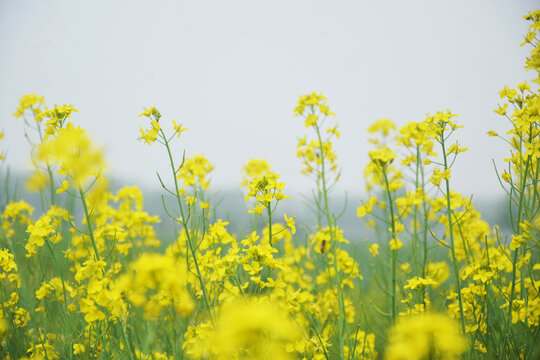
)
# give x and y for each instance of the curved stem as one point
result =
(89, 223)
(186, 228)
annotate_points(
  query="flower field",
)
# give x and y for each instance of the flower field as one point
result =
(85, 275)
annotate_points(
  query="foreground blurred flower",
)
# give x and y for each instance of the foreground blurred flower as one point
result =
(426, 336)
(156, 283)
(254, 329)
(74, 152)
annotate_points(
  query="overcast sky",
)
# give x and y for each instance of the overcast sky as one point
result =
(232, 72)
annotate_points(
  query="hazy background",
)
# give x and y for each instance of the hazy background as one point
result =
(232, 72)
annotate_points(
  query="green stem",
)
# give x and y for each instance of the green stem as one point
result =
(269, 211)
(415, 215)
(126, 341)
(89, 223)
(185, 226)
(452, 246)
(394, 252)
(341, 302)
(49, 171)
(518, 232)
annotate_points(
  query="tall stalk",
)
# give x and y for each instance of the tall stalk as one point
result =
(452, 242)
(341, 302)
(185, 225)
(89, 223)
(394, 252)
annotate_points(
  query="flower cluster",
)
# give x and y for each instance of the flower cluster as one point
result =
(73, 150)
(265, 189)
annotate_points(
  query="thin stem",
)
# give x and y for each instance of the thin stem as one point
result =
(394, 252)
(452, 245)
(341, 302)
(518, 232)
(269, 211)
(185, 226)
(89, 223)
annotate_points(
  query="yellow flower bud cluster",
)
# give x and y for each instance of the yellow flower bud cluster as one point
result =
(317, 153)
(265, 189)
(30, 102)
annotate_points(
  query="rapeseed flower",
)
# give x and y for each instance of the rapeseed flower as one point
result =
(28, 102)
(75, 153)
(425, 336)
(254, 328)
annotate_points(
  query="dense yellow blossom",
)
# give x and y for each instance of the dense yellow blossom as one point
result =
(194, 171)
(254, 329)
(75, 153)
(425, 336)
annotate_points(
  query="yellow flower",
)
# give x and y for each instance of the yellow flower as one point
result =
(367, 208)
(312, 100)
(254, 329)
(507, 92)
(524, 86)
(157, 283)
(290, 223)
(265, 189)
(39, 232)
(178, 128)
(255, 167)
(399, 227)
(374, 250)
(418, 282)
(74, 151)
(258, 209)
(65, 187)
(37, 181)
(194, 171)
(438, 271)
(28, 101)
(322, 240)
(334, 131)
(455, 149)
(151, 112)
(204, 205)
(501, 110)
(78, 349)
(150, 135)
(383, 125)
(56, 118)
(425, 336)
(311, 120)
(382, 156)
(438, 175)
(395, 244)
(517, 241)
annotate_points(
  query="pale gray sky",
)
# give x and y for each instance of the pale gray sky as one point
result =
(232, 72)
